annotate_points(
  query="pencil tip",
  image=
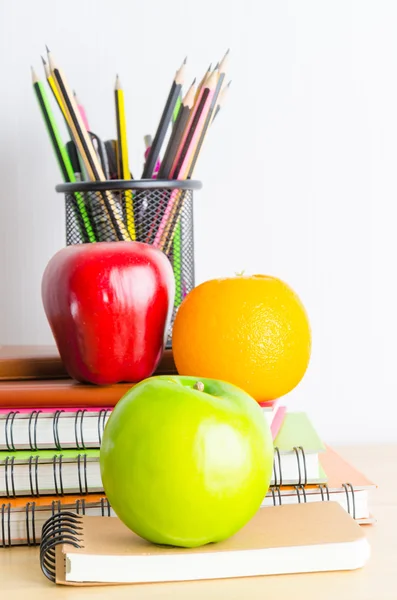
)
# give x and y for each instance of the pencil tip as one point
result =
(74, 93)
(44, 62)
(193, 82)
(216, 66)
(209, 68)
(47, 48)
(185, 61)
(227, 51)
(228, 85)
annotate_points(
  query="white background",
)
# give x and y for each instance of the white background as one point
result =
(299, 171)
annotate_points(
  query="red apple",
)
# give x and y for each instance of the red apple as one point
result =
(109, 305)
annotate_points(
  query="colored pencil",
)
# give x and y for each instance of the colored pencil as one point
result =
(111, 223)
(82, 111)
(169, 155)
(184, 156)
(54, 90)
(164, 122)
(221, 76)
(122, 155)
(177, 133)
(222, 99)
(61, 154)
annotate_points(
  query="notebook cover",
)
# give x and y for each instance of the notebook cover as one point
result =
(297, 430)
(43, 362)
(20, 502)
(61, 393)
(278, 527)
(23, 456)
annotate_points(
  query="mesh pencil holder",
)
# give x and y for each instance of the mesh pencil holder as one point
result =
(152, 211)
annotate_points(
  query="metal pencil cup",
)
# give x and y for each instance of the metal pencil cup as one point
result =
(150, 211)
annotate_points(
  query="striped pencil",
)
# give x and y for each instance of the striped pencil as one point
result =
(110, 221)
(164, 122)
(62, 155)
(182, 160)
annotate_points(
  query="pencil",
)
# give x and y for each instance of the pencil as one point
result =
(177, 133)
(164, 122)
(54, 89)
(123, 168)
(82, 111)
(112, 225)
(169, 156)
(180, 167)
(61, 153)
(221, 76)
(222, 98)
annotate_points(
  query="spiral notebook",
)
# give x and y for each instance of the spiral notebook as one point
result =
(304, 538)
(22, 519)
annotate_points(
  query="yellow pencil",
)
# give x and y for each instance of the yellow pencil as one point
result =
(122, 156)
(54, 89)
(115, 227)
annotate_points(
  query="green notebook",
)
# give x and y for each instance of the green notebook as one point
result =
(296, 453)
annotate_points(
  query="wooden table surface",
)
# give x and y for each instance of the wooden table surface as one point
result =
(21, 577)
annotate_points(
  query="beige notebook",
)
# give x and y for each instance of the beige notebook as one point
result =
(300, 538)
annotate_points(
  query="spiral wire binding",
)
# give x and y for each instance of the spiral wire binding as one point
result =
(55, 429)
(57, 460)
(9, 470)
(349, 488)
(63, 528)
(79, 459)
(101, 423)
(34, 415)
(325, 497)
(6, 514)
(103, 502)
(82, 503)
(36, 491)
(79, 443)
(31, 541)
(301, 463)
(9, 425)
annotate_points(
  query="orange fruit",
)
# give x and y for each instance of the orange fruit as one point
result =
(251, 331)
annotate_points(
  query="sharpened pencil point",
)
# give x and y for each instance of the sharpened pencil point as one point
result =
(47, 48)
(44, 62)
(228, 85)
(216, 66)
(193, 82)
(185, 61)
(209, 68)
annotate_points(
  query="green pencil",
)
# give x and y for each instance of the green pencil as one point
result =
(176, 245)
(60, 152)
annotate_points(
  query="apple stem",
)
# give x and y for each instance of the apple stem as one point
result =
(199, 385)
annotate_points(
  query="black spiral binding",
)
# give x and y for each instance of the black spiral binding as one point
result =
(301, 493)
(57, 461)
(6, 528)
(101, 423)
(105, 505)
(79, 416)
(349, 488)
(34, 482)
(30, 536)
(82, 458)
(9, 473)
(82, 504)
(62, 528)
(55, 429)
(34, 415)
(9, 430)
(301, 462)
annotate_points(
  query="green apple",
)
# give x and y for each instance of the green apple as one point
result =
(186, 462)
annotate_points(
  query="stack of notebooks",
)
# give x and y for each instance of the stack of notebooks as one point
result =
(50, 436)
